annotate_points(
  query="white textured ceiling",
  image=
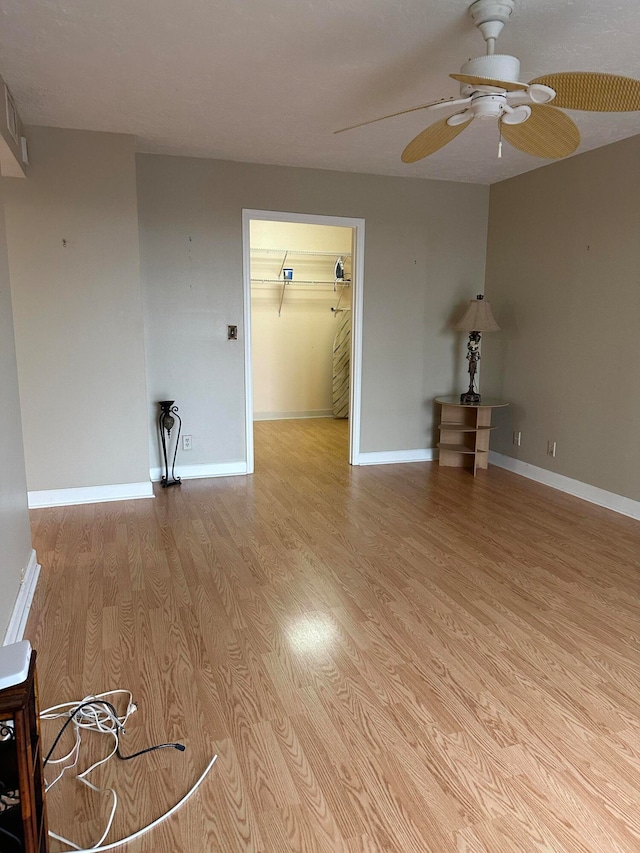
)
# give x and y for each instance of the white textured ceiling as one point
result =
(268, 81)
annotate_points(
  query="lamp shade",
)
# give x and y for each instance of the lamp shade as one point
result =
(478, 317)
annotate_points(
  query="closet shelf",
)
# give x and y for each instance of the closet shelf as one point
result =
(299, 269)
(295, 252)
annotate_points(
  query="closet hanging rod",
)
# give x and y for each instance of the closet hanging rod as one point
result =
(289, 281)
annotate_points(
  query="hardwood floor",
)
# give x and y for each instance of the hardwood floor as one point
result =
(394, 658)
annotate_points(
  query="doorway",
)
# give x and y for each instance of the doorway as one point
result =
(286, 278)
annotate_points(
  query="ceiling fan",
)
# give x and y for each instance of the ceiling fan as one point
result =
(525, 114)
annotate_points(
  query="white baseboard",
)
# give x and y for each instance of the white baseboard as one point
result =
(90, 495)
(592, 494)
(197, 472)
(393, 457)
(20, 612)
(287, 416)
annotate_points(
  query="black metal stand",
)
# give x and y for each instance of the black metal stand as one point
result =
(166, 422)
(471, 397)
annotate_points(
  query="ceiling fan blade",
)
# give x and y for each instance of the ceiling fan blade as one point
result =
(431, 139)
(507, 85)
(590, 90)
(548, 132)
(443, 102)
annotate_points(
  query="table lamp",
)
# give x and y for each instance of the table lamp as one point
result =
(477, 318)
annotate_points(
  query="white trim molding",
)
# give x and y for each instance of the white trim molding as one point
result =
(394, 457)
(90, 495)
(22, 606)
(199, 472)
(592, 494)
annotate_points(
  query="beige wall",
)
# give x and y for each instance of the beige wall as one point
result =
(561, 272)
(15, 536)
(563, 267)
(292, 351)
(425, 255)
(77, 310)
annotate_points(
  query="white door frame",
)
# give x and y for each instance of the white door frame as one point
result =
(356, 318)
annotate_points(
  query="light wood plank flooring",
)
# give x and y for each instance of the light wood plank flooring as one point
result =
(394, 658)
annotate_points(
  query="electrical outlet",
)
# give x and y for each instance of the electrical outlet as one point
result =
(551, 448)
(186, 442)
(517, 438)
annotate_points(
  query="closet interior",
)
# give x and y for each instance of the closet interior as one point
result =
(301, 298)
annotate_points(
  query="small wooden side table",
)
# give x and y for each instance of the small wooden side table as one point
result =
(21, 767)
(464, 432)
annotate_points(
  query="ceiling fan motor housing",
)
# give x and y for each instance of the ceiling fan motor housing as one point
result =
(489, 106)
(494, 67)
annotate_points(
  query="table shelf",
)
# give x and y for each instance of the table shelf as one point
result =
(464, 431)
(456, 448)
(462, 428)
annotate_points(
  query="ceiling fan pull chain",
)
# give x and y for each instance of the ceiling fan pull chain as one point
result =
(500, 140)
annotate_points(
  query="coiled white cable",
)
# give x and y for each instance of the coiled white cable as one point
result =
(94, 714)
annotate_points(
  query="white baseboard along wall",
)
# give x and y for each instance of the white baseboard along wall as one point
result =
(20, 612)
(592, 494)
(395, 457)
(198, 472)
(90, 495)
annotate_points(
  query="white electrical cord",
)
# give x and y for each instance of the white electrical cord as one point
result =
(94, 715)
(149, 826)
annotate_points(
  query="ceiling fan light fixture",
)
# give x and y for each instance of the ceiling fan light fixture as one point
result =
(540, 94)
(516, 115)
(459, 118)
(489, 106)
